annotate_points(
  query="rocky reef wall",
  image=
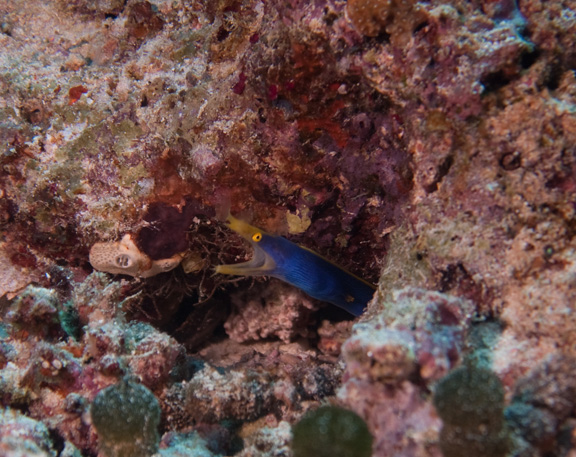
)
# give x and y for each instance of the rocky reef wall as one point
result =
(428, 147)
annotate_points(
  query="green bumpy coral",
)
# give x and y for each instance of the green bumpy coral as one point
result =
(126, 416)
(470, 401)
(331, 431)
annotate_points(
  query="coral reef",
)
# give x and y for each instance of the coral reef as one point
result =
(184, 444)
(427, 147)
(21, 436)
(281, 311)
(417, 338)
(417, 331)
(398, 18)
(543, 404)
(242, 395)
(268, 441)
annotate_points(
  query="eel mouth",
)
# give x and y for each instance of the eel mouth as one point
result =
(261, 264)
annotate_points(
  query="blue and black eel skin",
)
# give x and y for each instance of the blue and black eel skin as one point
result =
(277, 257)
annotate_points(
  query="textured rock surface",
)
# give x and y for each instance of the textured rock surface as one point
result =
(428, 147)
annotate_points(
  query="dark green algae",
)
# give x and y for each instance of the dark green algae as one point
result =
(331, 431)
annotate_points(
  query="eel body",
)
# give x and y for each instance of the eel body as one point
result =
(280, 258)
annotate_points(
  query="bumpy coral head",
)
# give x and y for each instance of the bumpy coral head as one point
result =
(395, 17)
(369, 16)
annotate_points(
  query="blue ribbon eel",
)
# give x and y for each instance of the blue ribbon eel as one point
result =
(277, 257)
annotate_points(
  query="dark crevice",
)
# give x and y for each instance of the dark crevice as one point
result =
(527, 59)
(554, 75)
(510, 161)
(495, 81)
(58, 441)
(442, 171)
(419, 27)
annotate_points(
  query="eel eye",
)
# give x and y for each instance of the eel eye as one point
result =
(257, 237)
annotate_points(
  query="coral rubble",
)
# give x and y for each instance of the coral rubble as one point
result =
(426, 146)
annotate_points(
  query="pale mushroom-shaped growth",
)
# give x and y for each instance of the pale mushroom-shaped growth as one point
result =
(124, 257)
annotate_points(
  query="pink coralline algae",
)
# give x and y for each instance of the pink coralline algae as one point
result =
(137, 348)
(382, 355)
(21, 436)
(427, 147)
(245, 395)
(60, 375)
(419, 337)
(281, 311)
(418, 330)
(462, 60)
(399, 418)
(35, 309)
(269, 441)
(397, 18)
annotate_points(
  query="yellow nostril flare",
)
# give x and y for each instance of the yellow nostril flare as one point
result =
(257, 237)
